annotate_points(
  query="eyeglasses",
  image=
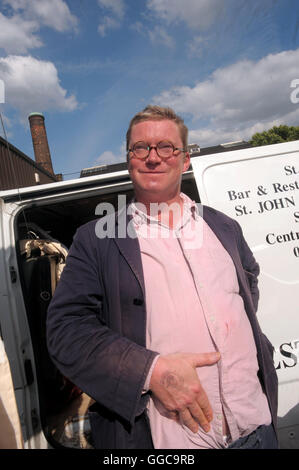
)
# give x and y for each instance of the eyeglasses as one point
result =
(164, 149)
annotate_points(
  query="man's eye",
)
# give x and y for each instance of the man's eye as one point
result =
(165, 146)
(140, 147)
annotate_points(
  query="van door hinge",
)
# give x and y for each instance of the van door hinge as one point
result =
(13, 274)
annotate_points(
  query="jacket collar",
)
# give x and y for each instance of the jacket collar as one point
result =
(127, 242)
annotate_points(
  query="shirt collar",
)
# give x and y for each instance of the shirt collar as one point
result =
(140, 217)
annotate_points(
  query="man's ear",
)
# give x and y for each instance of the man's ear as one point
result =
(186, 161)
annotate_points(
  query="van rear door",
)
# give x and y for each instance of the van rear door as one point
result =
(17, 355)
(57, 208)
(259, 188)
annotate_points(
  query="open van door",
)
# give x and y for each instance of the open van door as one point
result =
(17, 367)
(37, 224)
(259, 188)
(10, 427)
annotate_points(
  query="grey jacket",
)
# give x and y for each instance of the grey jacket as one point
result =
(96, 327)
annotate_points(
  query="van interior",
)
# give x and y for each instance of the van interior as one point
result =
(44, 233)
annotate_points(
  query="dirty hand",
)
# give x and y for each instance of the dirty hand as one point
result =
(174, 382)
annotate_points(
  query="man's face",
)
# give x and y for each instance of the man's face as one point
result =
(155, 179)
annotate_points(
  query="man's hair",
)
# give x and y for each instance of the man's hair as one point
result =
(158, 113)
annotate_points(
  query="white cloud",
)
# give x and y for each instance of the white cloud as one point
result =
(52, 13)
(195, 13)
(238, 99)
(196, 46)
(18, 32)
(33, 85)
(116, 6)
(112, 20)
(107, 22)
(18, 35)
(109, 158)
(158, 35)
(213, 136)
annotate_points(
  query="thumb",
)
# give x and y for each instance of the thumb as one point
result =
(204, 359)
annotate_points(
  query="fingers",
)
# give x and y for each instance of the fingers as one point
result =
(187, 419)
(203, 402)
(204, 359)
(201, 412)
(207, 413)
(200, 417)
(198, 412)
(193, 417)
(175, 384)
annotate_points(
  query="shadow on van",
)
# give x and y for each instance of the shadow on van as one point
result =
(288, 429)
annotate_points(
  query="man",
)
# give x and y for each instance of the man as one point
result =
(159, 327)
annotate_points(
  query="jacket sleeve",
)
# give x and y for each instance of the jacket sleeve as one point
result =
(249, 264)
(107, 366)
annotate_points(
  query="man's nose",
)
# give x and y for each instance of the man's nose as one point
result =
(153, 155)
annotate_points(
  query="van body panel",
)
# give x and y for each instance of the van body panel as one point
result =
(32, 192)
(259, 188)
(10, 429)
(14, 328)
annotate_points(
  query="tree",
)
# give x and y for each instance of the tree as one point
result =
(275, 135)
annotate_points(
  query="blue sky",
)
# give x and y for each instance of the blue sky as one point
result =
(225, 66)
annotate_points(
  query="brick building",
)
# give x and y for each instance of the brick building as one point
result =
(17, 170)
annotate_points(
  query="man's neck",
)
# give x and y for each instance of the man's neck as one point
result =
(167, 212)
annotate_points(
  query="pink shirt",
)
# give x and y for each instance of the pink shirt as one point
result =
(193, 305)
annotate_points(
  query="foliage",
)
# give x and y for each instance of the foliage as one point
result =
(275, 135)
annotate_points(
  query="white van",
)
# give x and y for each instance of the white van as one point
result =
(257, 186)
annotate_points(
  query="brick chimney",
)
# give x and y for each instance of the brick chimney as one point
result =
(40, 141)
